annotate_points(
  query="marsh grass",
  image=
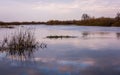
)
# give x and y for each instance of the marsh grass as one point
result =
(21, 45)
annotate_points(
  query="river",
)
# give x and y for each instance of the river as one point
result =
(93, 51)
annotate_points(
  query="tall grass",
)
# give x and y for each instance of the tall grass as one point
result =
(21, 45)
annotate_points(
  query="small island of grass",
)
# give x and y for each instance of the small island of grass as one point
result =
(60, 36)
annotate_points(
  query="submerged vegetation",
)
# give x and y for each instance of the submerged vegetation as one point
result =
(20, 45)
(86, 20)
(57, 37)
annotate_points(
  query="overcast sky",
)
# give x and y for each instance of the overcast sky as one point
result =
(43, 10)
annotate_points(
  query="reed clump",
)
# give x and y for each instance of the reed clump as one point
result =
(22, 44)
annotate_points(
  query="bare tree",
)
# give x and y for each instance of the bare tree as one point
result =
(85, 17)
(117, 16)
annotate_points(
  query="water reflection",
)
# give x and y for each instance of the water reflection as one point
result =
(90, 35)
(85, 35)
(118, 35)
(92, 53)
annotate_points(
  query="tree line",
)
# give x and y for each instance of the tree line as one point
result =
(86, 20)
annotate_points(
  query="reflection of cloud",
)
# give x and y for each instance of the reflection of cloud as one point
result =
(94, 44)
(45, 60)
(92, 56)
(80, 63)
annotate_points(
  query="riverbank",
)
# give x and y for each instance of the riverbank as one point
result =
(107, 22)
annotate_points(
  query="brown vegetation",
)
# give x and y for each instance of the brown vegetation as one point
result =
(86, 20)
(60, 36)
(21, 45)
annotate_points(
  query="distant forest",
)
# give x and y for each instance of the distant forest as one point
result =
(86, 20)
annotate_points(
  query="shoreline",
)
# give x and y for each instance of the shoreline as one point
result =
(99, 22)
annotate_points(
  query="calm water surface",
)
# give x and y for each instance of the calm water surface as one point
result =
(95, 51)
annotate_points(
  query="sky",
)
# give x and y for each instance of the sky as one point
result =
(44, 10)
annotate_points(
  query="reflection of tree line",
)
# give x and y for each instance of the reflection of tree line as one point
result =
(118, 35)
(21, 46)
(86, 35)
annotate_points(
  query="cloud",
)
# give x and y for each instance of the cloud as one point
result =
(56, 9)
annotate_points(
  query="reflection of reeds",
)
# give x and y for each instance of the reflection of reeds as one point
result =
(22, 45)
